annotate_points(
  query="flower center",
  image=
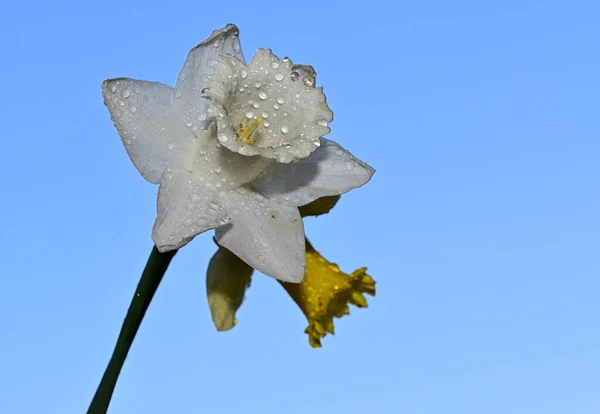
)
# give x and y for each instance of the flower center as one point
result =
(263, 109)
(246, 129)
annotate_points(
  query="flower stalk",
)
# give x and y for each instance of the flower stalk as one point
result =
(151, 277)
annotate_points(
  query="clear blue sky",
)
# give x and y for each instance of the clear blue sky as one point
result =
(481, 225)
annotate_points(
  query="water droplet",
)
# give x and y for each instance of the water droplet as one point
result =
(170, 147)
(256, 105)
(133, 109)
(177, 93)
(295, 75)
(279, 77)
(121, 102)
(113, 88)
(339, 152)
(243, 74)
(249, 115)
(201, 116)
(263, 95)
(125, 93)
(182, 76)
(222, 137)
(280, 100)
(285, 129)
(217, 42)
(322, 122)
(274, 65)
(349, 166)
(257, 85)
(276, 106)
(265, 115)
(287, 146)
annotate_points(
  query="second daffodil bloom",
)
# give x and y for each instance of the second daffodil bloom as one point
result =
(235, 147)
(324, 293)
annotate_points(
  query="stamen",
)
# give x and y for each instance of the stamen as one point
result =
(246, 131)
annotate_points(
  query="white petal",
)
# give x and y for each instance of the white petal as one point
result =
(285, 114)
(200, 63)
(185, 208)
(153, 137)
(265, 234)
(227, 279)
(330, 170)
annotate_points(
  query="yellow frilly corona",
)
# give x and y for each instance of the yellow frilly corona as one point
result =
(324, 293)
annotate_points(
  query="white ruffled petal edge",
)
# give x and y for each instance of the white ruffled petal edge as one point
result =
(330, 170)
(287, 116)
(153, 137)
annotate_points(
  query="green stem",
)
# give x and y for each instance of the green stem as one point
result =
(153, 273)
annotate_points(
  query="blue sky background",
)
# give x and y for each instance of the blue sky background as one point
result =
(481, 225)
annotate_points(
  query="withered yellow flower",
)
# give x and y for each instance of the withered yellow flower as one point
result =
(324, 293)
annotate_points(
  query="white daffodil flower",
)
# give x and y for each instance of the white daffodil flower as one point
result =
(235, 147)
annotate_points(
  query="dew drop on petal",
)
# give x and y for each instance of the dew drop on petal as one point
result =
(243, 74)
(280, 100)
(249, 114)
(170, 147)
(177, 93)
(263, 95)
(222, 137)
(295, 75)
(256, 105)
(279, 77)
(121, 102)
(257, 85)
(265, 115)
(125, 93)
(285, 129)
(274, 65)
